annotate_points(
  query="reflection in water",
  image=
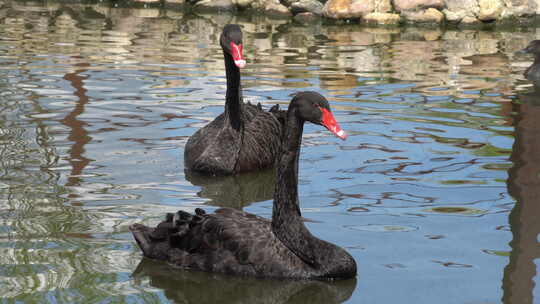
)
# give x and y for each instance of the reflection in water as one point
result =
(235, 191)
(181, 286)
(77, 134)
(524, 186)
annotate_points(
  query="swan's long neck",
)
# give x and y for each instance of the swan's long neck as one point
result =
(326, 260)
(287, 223)
(286, 204)
(232, 97)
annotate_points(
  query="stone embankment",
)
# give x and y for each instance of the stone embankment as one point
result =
(382, 12)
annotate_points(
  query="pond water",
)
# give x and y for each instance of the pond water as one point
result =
(434, 193)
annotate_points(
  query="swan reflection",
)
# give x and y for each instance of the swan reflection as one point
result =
(180, 286)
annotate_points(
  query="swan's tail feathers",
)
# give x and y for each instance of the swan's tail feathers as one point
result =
(173, 232)
(141, 233)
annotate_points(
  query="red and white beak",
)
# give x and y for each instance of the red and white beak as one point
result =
(331, 124)
(238, 57)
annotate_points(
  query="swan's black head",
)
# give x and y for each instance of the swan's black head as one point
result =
(532, 48)
(313, 107)
(231, 42)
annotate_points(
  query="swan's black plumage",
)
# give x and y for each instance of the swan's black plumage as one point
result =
(243, 138)
(235, 242)
(532, 73)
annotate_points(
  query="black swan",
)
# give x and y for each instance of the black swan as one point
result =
(235, 242)
(243, 138)
(532, 73)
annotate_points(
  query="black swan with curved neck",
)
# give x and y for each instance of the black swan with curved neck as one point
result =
(243, 138)
(235, 242)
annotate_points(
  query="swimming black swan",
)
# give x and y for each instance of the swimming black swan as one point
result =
(243, 138)
(532, 73)
(235, 242)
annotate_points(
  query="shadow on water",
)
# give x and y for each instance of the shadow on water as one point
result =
(524, 185)
(235, 191)
(182, 286)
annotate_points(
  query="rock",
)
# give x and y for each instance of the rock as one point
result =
(382, 18)
(519, 8)
(408, 5)
(490, 9)
(454, 16)
(302, 6)
(469, 20)
(337, 9)
(430, 15)
(219, 5)
(273, 7)
(345, 9)
(306, 17)
(383, 6)
(457, 10)
(518, 11)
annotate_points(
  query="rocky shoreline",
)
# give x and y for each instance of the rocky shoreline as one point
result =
(379, 12)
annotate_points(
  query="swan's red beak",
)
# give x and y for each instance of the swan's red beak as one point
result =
(331, 124)
(238, 57)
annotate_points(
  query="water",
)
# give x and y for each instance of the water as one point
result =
(434, 193)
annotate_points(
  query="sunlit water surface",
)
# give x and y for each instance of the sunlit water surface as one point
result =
(433, 193)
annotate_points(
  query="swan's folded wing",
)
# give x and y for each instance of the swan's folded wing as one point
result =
(228, 241)
(213, 149)
(261, 139)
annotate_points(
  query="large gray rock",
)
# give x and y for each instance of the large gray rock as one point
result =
(303, 6)
(408, 5)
